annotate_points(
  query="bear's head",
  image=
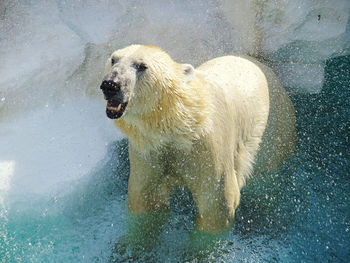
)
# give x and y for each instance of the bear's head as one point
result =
(139, 78)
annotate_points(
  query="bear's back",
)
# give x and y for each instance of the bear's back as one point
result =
(238, 73)
(256, 91)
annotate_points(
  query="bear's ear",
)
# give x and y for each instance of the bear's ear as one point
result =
(188, 72)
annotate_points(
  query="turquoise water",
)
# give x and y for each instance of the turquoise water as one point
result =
(300, 213)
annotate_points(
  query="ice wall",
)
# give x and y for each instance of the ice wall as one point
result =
(296, 37)
(54, 49)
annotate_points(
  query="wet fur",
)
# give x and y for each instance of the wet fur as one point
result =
(206, 127)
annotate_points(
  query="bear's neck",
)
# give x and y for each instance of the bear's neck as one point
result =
(178, 120)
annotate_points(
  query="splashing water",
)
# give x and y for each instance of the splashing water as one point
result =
(64, 166)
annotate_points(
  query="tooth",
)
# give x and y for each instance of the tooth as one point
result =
(119, 106)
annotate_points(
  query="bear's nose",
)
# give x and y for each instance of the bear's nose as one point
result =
(109, 88)
(109, 85)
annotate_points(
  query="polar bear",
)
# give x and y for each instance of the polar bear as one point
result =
(205, 129)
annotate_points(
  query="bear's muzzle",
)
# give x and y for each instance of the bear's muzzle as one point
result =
(114, 97)
(110, 89)
(115, 110)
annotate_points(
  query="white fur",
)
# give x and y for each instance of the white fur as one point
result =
(203, 129)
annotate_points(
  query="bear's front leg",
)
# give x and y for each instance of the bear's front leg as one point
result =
(213, 214)
(216, 197)
(148, 202)
(147, 190)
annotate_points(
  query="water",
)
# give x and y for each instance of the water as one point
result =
(300, 213)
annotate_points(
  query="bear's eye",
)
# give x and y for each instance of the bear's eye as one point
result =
(140, 67)
(112, 61)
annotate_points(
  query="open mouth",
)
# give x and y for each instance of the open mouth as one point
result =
(115, 111)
